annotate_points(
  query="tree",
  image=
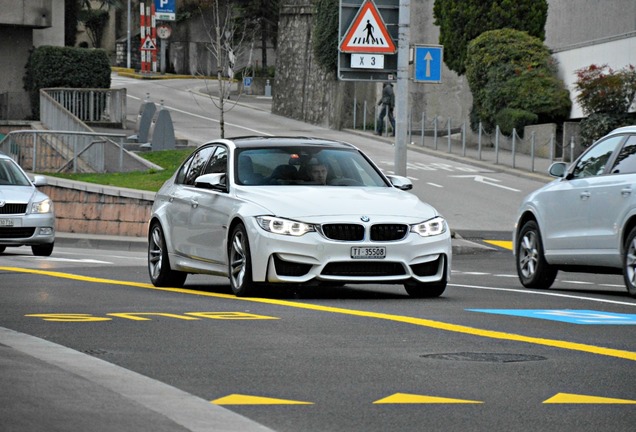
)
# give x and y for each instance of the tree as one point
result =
(95, 19)
(513, 79)
(461, 21)
(260, 17)
(227, 43)
(605, 95)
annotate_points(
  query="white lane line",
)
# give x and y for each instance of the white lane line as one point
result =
(209, 119)
(544, 293)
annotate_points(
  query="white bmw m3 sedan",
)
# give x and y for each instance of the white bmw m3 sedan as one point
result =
(292, 210)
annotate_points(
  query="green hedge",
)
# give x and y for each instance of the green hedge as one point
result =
(50, 66)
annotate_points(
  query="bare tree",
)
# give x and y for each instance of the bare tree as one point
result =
(227, 43)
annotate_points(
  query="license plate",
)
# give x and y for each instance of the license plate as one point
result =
(368, 252)
(6, 222)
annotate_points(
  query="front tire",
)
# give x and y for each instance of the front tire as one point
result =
(629, 263)
(161, 275)
(42, 250)
(427, 290)
(532, 268)
(240, 263)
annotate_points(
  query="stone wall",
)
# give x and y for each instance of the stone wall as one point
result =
(96, 209)
(302, 90)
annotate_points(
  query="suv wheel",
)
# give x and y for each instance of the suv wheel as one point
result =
(629, 263)
(532, 268)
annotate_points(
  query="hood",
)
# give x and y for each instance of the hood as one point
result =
(19, 194)
(312, 203)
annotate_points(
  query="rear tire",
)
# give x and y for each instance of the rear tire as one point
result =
(629, 263)
(240, 263)
(42, 250)
(161, 275)
(532, 268)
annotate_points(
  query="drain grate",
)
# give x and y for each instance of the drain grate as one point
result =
(484, 357)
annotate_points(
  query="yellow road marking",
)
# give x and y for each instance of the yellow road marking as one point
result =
(555, 343)
(500, 243)
(569, 398)
(239, 399)
(406, 398)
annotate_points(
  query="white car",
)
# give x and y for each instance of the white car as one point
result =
(584, 221)
(26, 214)
(248, 208)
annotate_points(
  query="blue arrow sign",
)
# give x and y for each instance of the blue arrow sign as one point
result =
(428, 63)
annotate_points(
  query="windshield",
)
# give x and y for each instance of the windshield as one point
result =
(11, 174)
(305, 166)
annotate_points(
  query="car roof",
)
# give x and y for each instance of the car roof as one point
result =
(624, 129)
(261, 141)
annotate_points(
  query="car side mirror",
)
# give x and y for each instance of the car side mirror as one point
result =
(39, 180)
(558, 169)
(212, 181)
(400, 182)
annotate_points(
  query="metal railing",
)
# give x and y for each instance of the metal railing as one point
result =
(96, 107)
(68, 152)
(443, 134)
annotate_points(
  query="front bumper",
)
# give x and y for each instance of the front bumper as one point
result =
(312, 257)
(28, 230)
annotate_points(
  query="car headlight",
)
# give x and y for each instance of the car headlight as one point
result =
(282, 226)
(431, 227)
(45, 206)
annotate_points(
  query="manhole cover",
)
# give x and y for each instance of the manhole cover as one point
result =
(484, 357)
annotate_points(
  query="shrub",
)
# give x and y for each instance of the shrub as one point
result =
(510, 69)
(50, 66)
(605, 96)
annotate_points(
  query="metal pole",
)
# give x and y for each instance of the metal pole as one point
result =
(364, 116)
(423, 127)
(128, 38)
(402, 94)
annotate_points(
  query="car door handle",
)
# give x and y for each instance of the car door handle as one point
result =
(585, 195)
(194, 203)
(626, 192)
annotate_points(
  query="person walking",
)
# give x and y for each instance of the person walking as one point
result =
(387, 102)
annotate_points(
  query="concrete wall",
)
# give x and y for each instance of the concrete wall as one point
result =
(302, 89)
(95, 209)
(18, 20)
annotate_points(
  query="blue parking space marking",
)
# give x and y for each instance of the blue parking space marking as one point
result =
(573, 316)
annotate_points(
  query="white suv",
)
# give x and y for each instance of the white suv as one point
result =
(584, 221)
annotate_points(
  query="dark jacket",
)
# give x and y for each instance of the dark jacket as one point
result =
(388, 97)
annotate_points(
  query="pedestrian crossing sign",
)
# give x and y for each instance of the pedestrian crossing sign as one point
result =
(148, 44)
(368, 33)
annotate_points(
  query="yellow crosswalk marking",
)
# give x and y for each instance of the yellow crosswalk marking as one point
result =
(569, 398)
(407, 398)
(239, 399)
(500, 243)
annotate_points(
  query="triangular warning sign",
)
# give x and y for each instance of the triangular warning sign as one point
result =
(368, 33)
(148, 44)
